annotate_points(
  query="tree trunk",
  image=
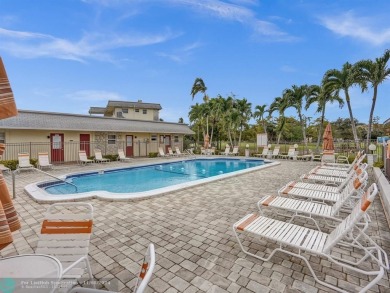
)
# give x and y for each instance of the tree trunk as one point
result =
(303, 130)
(320, 129)
(279, 136)
(371, 116)
(355, 137)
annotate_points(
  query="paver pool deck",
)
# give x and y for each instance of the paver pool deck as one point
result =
(192, 232)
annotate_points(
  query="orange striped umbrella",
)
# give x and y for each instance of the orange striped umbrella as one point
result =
(9, 220)
(328, 145)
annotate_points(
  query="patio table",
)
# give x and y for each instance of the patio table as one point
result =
(30, 273)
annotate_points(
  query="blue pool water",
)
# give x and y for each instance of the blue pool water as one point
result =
(145, 178)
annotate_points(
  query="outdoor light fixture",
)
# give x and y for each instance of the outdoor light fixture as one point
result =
(247, 146)
(372, 147)
(269, 146)
(295, 146)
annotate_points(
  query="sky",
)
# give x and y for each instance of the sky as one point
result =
(67, 56)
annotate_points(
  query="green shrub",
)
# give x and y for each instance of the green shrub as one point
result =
(152, 155)
(379, 164)
(111, 157)
(10, 164)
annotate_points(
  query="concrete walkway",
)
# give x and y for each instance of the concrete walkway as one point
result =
(192, 231)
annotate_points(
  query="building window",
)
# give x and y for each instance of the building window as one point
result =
(136, 110)
(153, 137)
(176, 138)
(119, 115)
(2, 137)
(125, 111)
(111, 139)
(144, 111)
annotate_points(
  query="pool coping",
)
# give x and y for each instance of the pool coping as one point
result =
(40, 195)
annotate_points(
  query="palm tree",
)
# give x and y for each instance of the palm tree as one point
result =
(295, 97)
(216, 106)
(196, 116)
(280, 105)
(200, 87)
(321, 96)
(374, 72)
(342, 80)
(245, 112)
(260, 113)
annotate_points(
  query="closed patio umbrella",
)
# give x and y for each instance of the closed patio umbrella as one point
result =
(328, 145)
(9, 220)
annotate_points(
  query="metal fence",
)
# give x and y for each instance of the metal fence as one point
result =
(68, 151)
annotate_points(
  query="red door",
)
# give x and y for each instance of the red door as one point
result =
(129, 145)
(57, 147)
(85, 143)
(167, 142)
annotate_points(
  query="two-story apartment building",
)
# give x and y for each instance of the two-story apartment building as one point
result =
(133, 126)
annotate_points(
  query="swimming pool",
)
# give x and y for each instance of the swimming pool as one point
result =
(142, 181)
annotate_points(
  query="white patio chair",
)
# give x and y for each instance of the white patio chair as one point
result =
(290, 154)
(179, 153)
(65, 234)
(337, 173)
(297, 241)
(99, 158)
(264, 153)
(43, 161)
(171, 153)
(227, 151)
(324, 196)
(234, 152)
(275, 152)
(143, 277)
(312, 208)
(122, 157)
(161, 153)
(83, 159)
(24, 162)
(322, 186)
(326, 179)
(343, 165)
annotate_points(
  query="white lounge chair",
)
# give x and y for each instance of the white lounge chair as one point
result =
(322, 186)
(43, 161)
(290, 154)
(325, 179)
(99, 158)
(275, 152)
(24, 162)
(122, 157)
(309, 209)
(337, 172)
(369, 259)
(264, 153)
(234, 152)
(190, 152)
(179, 153)
(161, 153)
(143, 277)
(171, 153)
(353, 187)
(227, 151)
(83, 159)
(65, 234)
(343, 165)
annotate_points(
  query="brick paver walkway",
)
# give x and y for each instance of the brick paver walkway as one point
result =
(192, 232)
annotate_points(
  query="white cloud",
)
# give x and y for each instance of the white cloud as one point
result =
(181, 54)
(362, 28)
(287, 68)
(90, 46)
